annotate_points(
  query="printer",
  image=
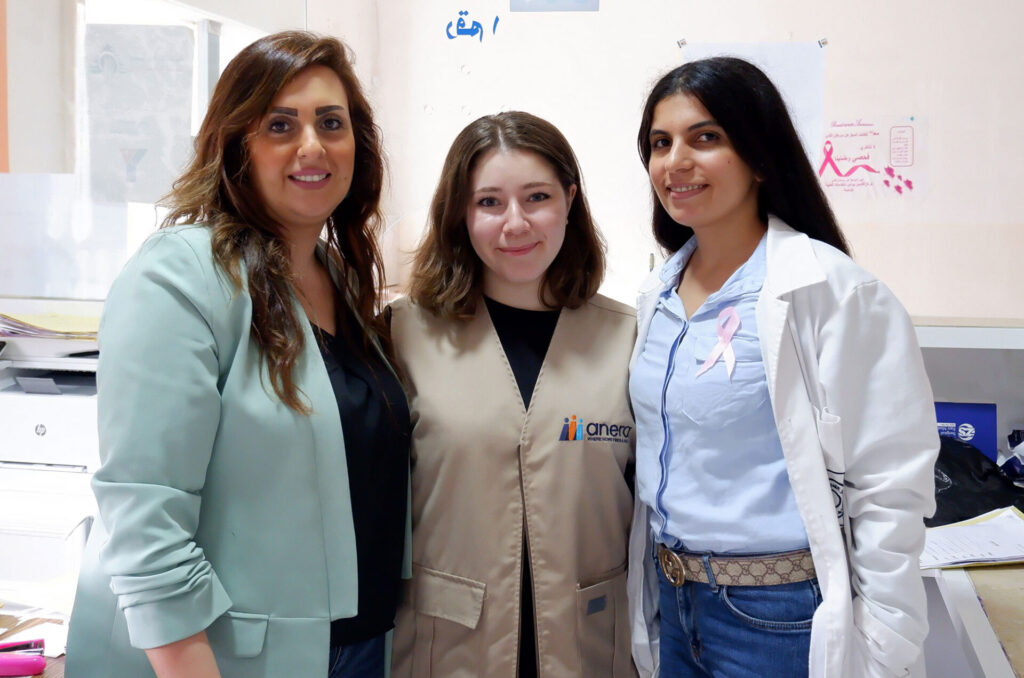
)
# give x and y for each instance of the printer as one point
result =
(48, 453)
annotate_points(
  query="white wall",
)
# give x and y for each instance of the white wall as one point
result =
(428, 87)
(41, 87)
(357, 23)
(266, 15)
(955, 66)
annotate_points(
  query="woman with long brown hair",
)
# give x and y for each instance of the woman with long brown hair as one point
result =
(522, 431)
(253, 493)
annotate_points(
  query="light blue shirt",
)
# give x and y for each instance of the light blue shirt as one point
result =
(709, 461)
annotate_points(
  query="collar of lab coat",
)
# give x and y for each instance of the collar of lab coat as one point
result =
(801, 269)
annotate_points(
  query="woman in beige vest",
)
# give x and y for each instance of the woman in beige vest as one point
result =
(523, 437)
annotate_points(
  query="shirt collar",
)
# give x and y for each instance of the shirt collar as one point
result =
(749, 277)
(675, 264)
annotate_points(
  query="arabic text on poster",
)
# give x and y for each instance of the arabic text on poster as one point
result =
(880, 156)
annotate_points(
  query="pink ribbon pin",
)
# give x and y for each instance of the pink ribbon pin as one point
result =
(728, 323)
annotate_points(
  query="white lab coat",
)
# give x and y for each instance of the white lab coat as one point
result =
(856, 419)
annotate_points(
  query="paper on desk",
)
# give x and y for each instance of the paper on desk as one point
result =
(991, 538)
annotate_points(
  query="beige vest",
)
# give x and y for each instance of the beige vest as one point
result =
(487, 474)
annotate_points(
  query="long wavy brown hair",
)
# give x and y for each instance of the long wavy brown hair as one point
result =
(217, 191)
(447, 275)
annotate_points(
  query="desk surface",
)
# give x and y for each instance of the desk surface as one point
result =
(1001, 591)
(54, 668)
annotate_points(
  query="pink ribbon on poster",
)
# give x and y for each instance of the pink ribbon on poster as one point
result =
(728, 323)
(829, 162)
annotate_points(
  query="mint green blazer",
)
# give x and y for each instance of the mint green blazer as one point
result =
(219, 507)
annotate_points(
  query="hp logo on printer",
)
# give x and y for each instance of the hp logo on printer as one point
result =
(40, 430)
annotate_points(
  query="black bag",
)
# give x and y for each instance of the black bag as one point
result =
(967, 484)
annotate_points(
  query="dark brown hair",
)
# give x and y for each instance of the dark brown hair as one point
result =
(217, 191)
(741, 98)
(447, 274)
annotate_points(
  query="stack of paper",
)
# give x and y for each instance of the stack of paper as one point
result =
(49, 326)
(992, 538)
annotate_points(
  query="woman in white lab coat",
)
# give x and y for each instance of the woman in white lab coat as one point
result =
(785, 426)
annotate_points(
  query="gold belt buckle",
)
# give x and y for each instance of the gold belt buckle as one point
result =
(671, 566)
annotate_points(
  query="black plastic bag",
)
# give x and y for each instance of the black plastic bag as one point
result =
(967, 484)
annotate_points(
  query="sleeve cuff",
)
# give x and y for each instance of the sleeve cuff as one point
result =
(886, 646)
(162, 622)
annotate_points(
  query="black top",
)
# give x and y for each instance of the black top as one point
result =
(375, 424)
(525, 337)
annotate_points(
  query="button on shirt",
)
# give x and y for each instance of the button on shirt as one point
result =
(709, 461)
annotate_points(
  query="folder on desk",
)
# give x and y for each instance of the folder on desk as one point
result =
(992, 538)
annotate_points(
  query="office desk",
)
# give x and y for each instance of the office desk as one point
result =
(54, 668)
(985, 606)
(1001, 590)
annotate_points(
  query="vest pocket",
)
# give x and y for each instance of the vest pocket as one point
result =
(239, 633)
(447, 596)
(603, 640)
(441, 596)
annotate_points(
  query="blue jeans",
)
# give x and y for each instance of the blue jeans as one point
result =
(736, 631)
(358, 660)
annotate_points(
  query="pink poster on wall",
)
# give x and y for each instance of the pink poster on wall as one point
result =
(881, 156)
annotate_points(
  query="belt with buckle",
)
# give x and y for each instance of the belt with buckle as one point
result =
(767, 570)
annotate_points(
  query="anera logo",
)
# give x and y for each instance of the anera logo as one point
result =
(574, 428)
(571, 430)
